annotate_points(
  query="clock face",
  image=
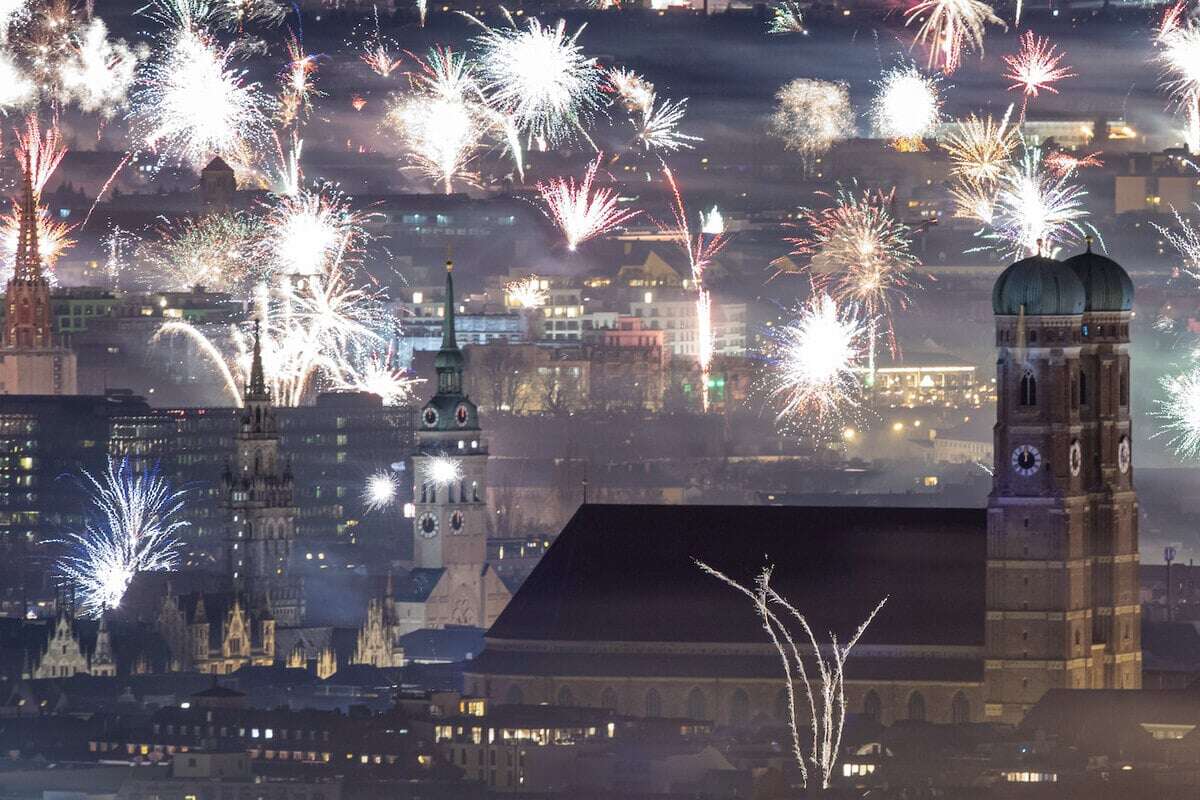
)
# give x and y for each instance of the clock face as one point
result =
(460, 415)
(1026, 459)
(1076, 457)
(456, 521)
(1123, 455)
(427, 525)
(430, 417)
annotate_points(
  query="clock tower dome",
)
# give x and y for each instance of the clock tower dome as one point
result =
(1062, 589)
(450, 467)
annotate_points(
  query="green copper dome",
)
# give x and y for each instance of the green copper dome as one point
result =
(1043, 286)
(1105, 282)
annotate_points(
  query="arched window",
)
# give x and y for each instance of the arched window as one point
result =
(608, 699)
(960, 709)
(514, 696)
(653, 704)
(872, 706)
(566, 697)
(1028, 395)
(462, 491)
(475, 491)
(424, 492)
(697, 708)
(739, 708)
(916, 707)
(1083, 389)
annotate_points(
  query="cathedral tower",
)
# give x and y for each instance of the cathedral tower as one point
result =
(1062, 590)
(449, 474)
(258, 495)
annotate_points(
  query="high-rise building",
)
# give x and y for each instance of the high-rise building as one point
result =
(1062, 517)
(32, 361)
(259, 496)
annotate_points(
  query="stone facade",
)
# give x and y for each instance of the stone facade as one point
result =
(213, 633)
(65, 654)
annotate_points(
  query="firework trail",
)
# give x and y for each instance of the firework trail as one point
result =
(1062, 164)
(132, 528)
(657, 126)
(869, 255)
(1178, 40)
(39, 151)
(118, 245)
(949, 28)
(540, 77)
(1035, 211)
(379, 52)
(581, 213)
(215, 251)
(296, 84)
(190, 102)
(810, 116)
(442, 120)
(380, 490)
(700, 250)
(422, 10)
(526, 293)
(787, 18)
(907, 107)
(980, 149)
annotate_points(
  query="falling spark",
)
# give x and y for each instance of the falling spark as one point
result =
(950, 28)
(1036, 67)
(869, 255)
(1179, 55)
(810, 116)
(980, 148)
(540, 77)
(527, 293)
(827, 718)
(215, 251)
(441, 122)
(1036, 212)
(581, 213)
(380, 490)
(98, 72)
(1061, 163)
(907, 107)
(190, 103)
(132, 527)
(444, 471)
(787, 18)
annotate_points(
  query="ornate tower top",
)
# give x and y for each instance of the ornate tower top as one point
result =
(29, 263)
(256, 389)
(449, 408)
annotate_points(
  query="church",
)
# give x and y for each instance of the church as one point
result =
(987, 609)
(451, 582)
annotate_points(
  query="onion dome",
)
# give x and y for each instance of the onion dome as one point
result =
(1043, 286)
(1106, 284)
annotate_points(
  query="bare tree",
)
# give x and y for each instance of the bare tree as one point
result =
(828, 715)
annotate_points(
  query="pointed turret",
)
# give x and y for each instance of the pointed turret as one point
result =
(256, 389)
(29, 263)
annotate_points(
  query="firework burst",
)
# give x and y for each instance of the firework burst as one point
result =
(974, 200)
(907, 107)
(296, 84)
(658, 127)
(980, 148)
(132, 527)
(442, 121)
(378, 52)
(1035, 211)
(380, 490)
(950, 28)
(811, 115)
(1178, 40)
(310, 232)
(1180, 413)
(865, 255)
(1062, 163)
(16, 89)
(445, 470)
(190, 102)
(540, 77)
(787, 18)
(527, 293)
(580, 212)
(215, 251)
(97, 73)
(1036, 67)
(816, 358)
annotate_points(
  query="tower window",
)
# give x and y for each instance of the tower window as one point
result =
(1028, 396)
(1033, 336)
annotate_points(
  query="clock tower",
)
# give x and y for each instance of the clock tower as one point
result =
(1062, 588)
(449, 475)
